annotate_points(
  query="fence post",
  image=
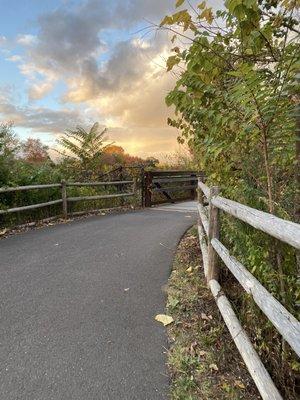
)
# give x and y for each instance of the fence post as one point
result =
(142, 181)
(194, 189)
(213, 232)
(134, 186)
(199, 193)
(64, 198)
(148, 185)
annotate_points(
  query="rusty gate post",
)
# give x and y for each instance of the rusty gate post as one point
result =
(142, 183)
(193, 190)
(148, 185)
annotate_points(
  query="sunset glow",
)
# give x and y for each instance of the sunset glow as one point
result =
(67, 62)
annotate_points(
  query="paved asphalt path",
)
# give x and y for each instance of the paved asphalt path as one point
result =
(69, 328)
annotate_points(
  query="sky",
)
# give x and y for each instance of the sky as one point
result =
(65, 63)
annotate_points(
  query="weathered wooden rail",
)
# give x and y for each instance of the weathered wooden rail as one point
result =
(65, 199)
(212, 248)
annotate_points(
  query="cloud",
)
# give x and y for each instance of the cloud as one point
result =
(40, 119)
(68, 38)
(129, 63)
(145, 142)
(3, 41)
(68, 45)
(122, 83)
(14, 58)
(26, 40)
(41, 89)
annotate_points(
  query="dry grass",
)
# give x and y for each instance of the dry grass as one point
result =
(203, 361)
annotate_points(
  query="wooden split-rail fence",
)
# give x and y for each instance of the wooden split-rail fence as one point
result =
(65, 199)
(212, 248)
(154, 187)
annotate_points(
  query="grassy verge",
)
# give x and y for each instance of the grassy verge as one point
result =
(203, 361)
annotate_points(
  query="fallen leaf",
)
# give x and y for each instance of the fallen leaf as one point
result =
(164, 319)
(239, 384)
(202, 353)
(204, 316)
(3, 232)
(189, 269)
(192, 349)
(214, 367)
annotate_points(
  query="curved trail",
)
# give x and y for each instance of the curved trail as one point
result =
(78, 302)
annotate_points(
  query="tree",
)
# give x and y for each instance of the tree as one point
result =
(234, 108)
(234, 89)
(34, 151)
(9, 146)
(116, 155)
(151, 162)
(85, 148)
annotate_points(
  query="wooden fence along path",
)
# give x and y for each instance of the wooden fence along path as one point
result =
(65, 199)
(211, 247)
(208, 228)
(152, 184)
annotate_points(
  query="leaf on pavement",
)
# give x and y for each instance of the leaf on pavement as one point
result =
(164, 319)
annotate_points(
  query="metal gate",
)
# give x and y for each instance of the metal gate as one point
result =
(169, 186)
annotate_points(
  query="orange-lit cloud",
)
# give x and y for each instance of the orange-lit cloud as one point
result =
(123, 90)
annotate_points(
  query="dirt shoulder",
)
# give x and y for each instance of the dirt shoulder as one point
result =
(203, 361)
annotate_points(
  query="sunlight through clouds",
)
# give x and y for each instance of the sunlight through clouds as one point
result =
(109, 73)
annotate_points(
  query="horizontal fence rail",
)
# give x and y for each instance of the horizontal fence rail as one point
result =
(173, 188)
(286, 231)
(30, 207)
(64, 198)
(29, 187)
(286, 324)
(157, 189)
(256, 368)
(112, 183)
(174, 179)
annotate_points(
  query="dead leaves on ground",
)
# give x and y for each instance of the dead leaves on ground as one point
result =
(206, 317)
